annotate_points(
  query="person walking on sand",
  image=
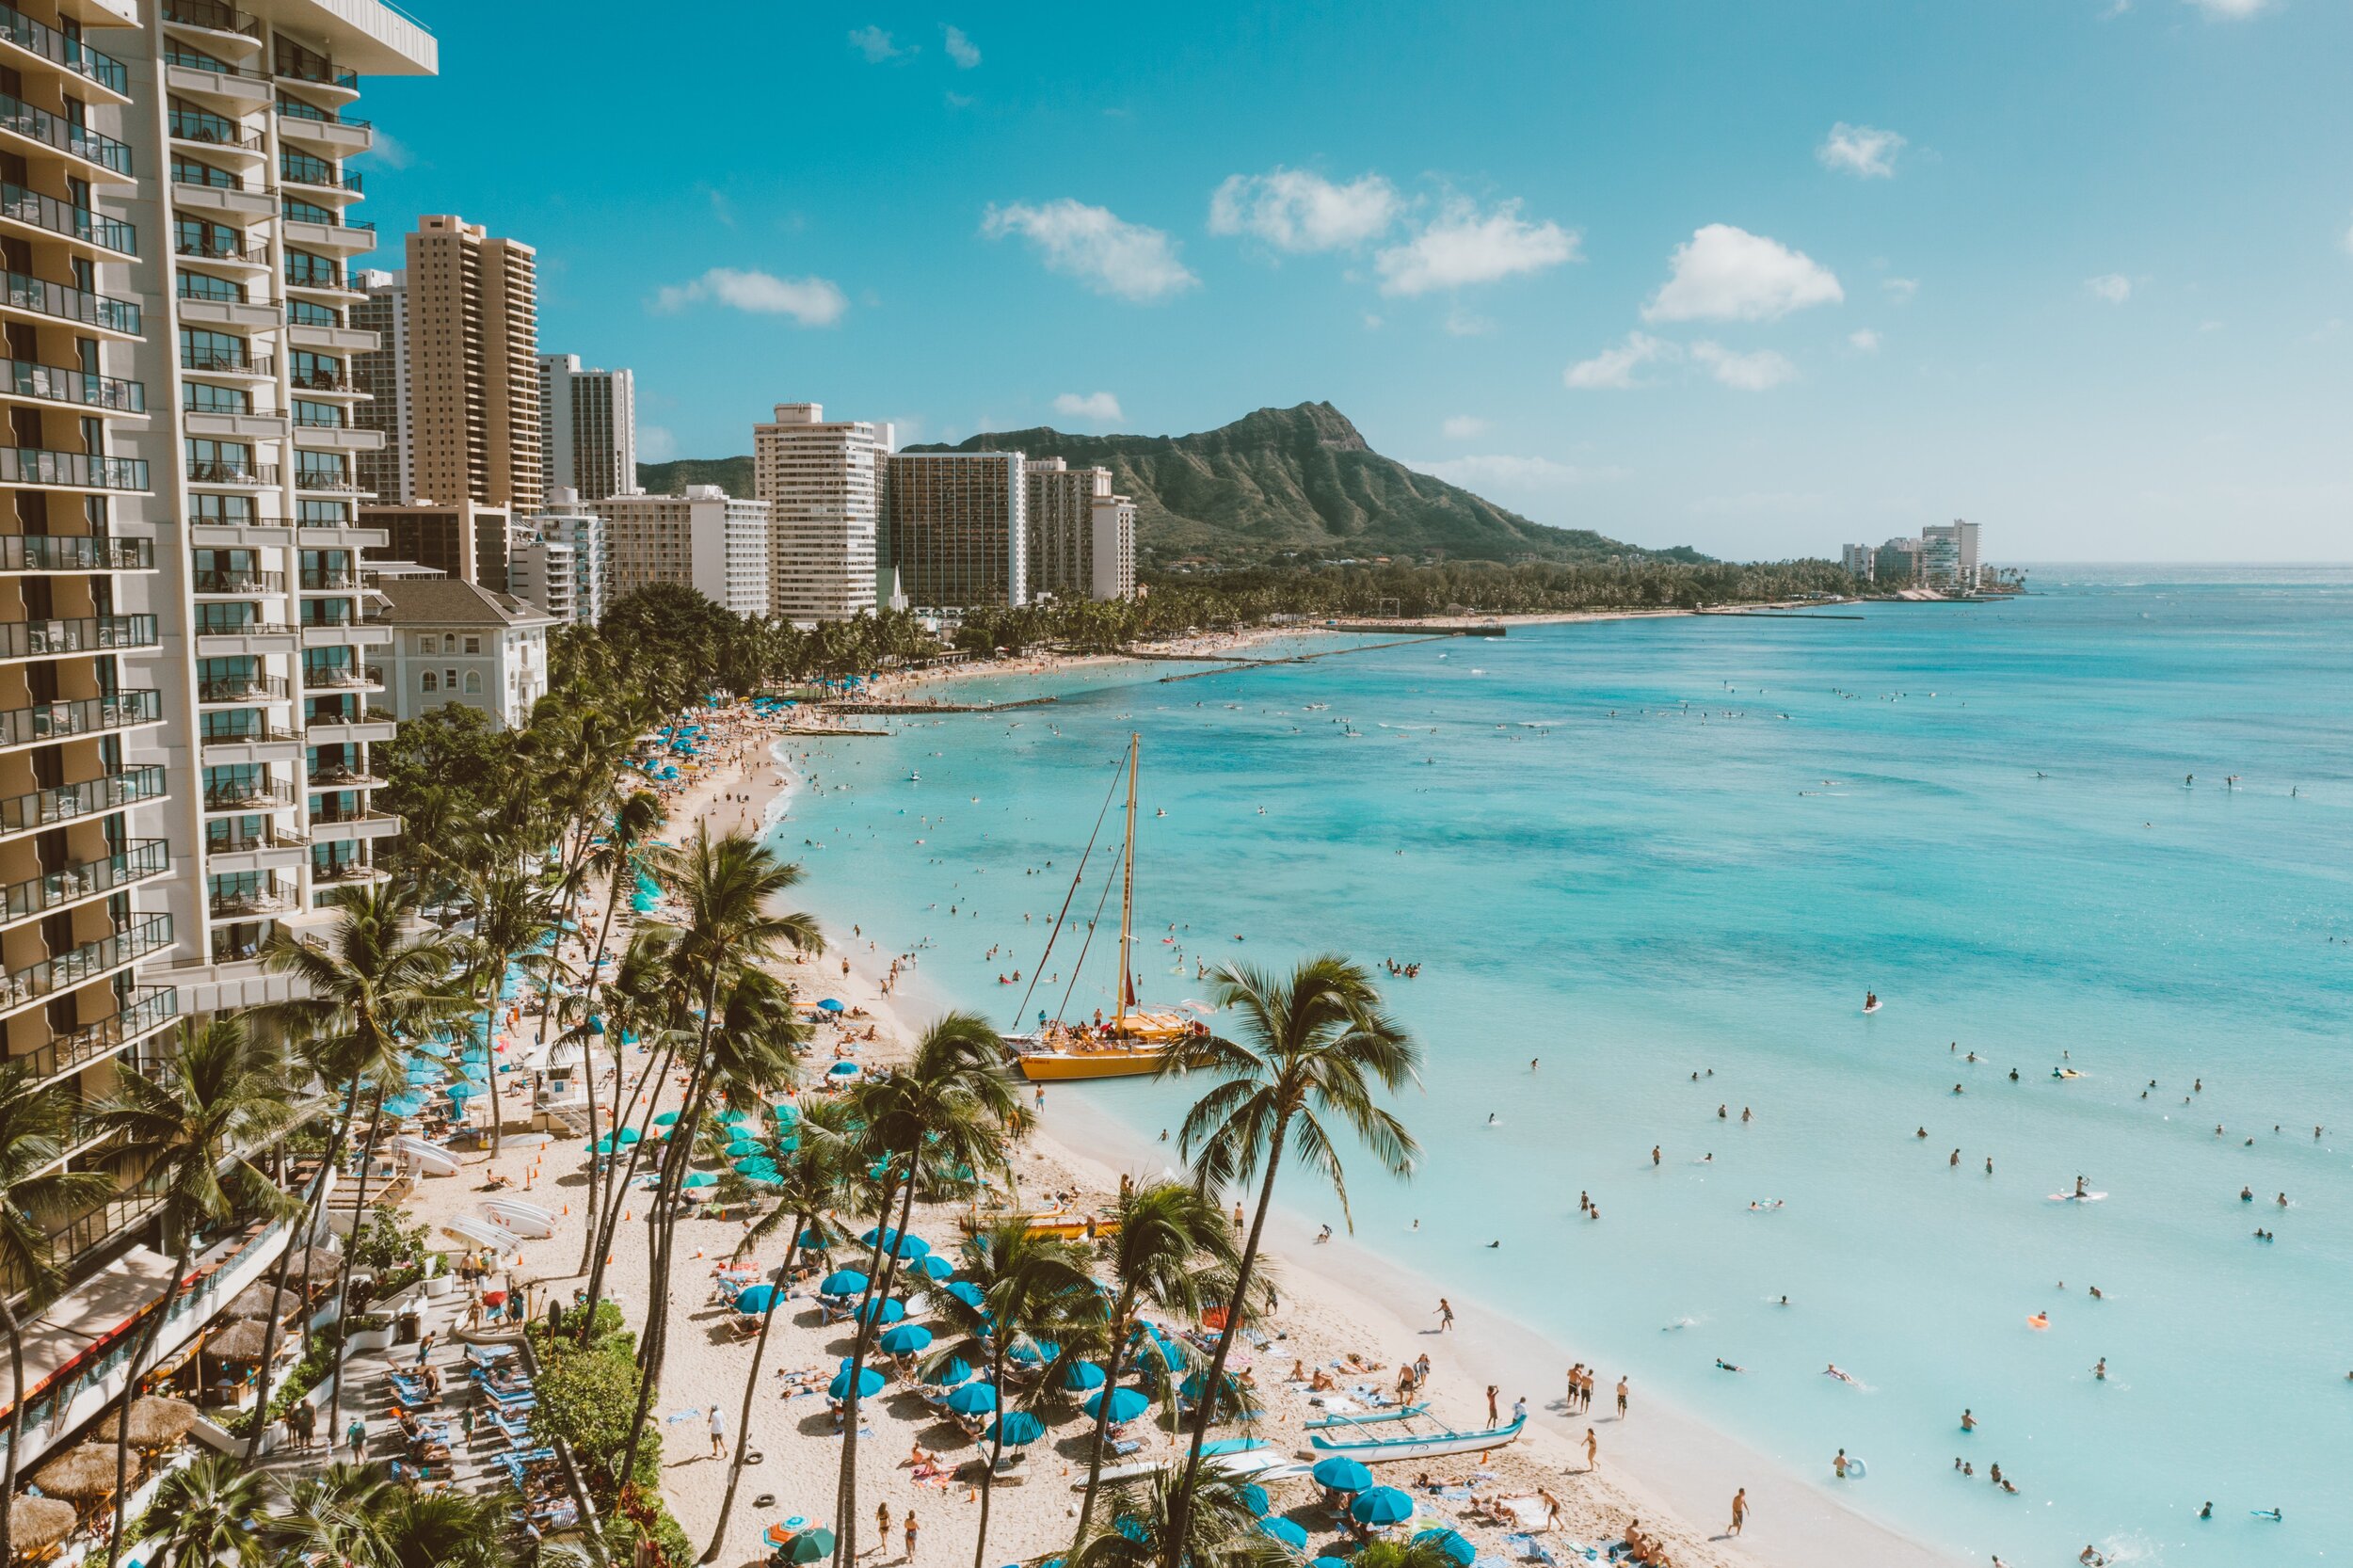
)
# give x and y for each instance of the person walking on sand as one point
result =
(882, 1528)
(718, 1432)
(910, 1536)
(1495, 1416)
(1445, 1315)
(1592, 1450)
(1622, 1398)
(1739, 1512)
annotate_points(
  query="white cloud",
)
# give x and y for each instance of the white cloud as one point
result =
(1462, 427)
(1294, 209)
(1864, 341)
(1900, 290)
(1463, 247)
(2114, 287)
(809, 301)
(1863, 150)
(1096, 246)
(1100, 406)
(1727, 274)
(1760, 372)
(394, 152)
(1615, 367)
(875, 46)
(1372, 323)
(655, 444)
(1461, 323)
(962, 49)
(1509, 473)
(2230, 11)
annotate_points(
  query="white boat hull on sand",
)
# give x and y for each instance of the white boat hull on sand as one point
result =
(1435, 1444)
(429, 1158)
(526, 1220)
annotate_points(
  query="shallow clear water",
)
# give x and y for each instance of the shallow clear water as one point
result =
(1609, 849)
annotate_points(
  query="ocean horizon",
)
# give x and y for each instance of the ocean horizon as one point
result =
(2096, 837)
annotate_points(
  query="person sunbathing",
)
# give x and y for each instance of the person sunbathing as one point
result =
(1355, 1363)
(1299, 1370)
(1323, 1381)
(918, 1458)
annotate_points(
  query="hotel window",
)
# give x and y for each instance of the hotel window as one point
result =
(432, 682)
(474, 644)
(474, 682)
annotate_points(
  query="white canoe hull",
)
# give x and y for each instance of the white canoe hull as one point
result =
(428, 1158)
(1380, 1450)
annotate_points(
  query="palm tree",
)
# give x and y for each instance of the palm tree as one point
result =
(337, 1513)
(203, 1513)
(512, 917)
(35, 1129)
(613, 862)
(358, 1000)
(1172, 1251)
(1145, 1529)
(942, 1119)
(640, 1000)
(444, 1529)
(727, 884)
(815, 1172)
(188, 1137)
(1315, 1045)
(1034, 1290)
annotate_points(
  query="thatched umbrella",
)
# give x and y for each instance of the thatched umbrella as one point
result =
(156, 1422)
(319, 1261)
(240, 1341)
(39, 1522)
(82, 1473)
(259, 1302)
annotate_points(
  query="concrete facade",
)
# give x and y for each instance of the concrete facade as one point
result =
(958, 528)
(454, 642)
(824, 483)
(588, 429)
(705, 539)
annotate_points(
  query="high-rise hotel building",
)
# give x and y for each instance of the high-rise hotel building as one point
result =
(824, 483)
(957, 525)
(187, 645)
(588, 429)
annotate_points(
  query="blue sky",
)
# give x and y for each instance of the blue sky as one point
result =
(1756, 277)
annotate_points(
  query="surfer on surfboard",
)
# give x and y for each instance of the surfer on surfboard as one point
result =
(1870, 1001)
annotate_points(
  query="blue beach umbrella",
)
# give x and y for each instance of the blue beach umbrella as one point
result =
(830, 1005)
(1341, 1474)
(786, 1112)
(732, 1118)
(953, 1371)
(462, 1091)
(754, 1298)
(882, 1309)
(907, 1245)
(966, 1292)
(1027, 1353)
(870, 1382)
(843, 1282)
(1018, 1429)
(1328, 1563)
(1287, 1533)
(665, 1119)
(701, 1178)
(1458, 1549)
(743, 1147)
(758, 1167)
(431, 1047)
(933, 1267)
(1254, 1497)
(1080, 1376)
(1126, 1404)
(973, 1399)
(906, 1339)
(1383, 1504)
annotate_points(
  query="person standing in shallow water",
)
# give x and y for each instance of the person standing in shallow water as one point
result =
(1739, 1512)
(1445, 1315)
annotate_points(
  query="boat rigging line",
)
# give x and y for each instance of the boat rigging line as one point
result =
(1022, 1008)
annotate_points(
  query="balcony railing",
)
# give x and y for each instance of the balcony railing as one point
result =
(32, 465)
(316, 580)
(60, 384)
(320, 379)
(225, 361)
(60, 217)
(140, 860)
(208, 625)
(74, 553)
(26, 292)
(330, 815)
(326, 219)
(71, 53)
(337, 871)
(213, 130)
(212, 14)
(315, 276)
(90, 715)
(71, 969)
(242, 688)
(149, 1009)
(190, 60)
(294, 108)
(71, 802)
(335, 776)
(214, 580)
(212, 250)
(50, 639)
(246, 735)
(295, 169)
(78, 140)
(342, 676)
(221, 842)
(215, 470)
(249, 901)
(325, 481)
(328, 418)
(248, 795)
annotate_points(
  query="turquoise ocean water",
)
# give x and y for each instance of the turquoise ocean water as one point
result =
(1642, 849)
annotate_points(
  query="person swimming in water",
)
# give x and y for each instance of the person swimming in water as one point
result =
(1831, 1371)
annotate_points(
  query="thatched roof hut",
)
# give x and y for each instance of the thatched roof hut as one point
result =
(259, 1301)
(82, 1473)
(156, 1423)
(36, 1523)
(240, 1341)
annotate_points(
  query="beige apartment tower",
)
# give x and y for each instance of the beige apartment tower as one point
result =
(823, 484)
(474, 373)
(1082, 537)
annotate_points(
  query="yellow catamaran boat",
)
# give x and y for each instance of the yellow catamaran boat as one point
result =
(1132, 1042)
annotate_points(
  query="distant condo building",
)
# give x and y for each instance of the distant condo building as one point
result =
(473, 347)
(957, 527)
(588, 429)
(1082, 537)
(381, 375)
(1897, 562)
(1948, 555)
(463, 539)
(559, 561)
(705, 539)
(823, 484)
(1861, 561)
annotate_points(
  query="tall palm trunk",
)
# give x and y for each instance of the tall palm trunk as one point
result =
(337, 1136)
(343, 1266)
(295, 1232)
(869, 1319)
(617, 1189)
(1212, 1386)
(587, 1011)
(997, 1446)
(15, 1331)
(489, 1053)
(751, 1386)
(1112, 1369)
(181, 1260)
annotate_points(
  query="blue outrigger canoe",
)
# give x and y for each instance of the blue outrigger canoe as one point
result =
(1374, 1447)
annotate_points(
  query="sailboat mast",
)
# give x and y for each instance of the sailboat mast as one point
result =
(1127, 885)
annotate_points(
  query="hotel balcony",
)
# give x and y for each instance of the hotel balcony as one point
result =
(217, 135)
(151, 1009)
(32, 466)
(240, 691)
(57, 639)
(251, 896)
(337, 776)
(272, 849)
(42, 809)
(77, 966)
(237, 362)
(343, 677)
(98, 239)
(232, 473)
(344, 827)
(348, 237)
(73, 553)
(104, 394)
(335, 135)
(227, 27)
(201, 305)
(328, 337)
(256, 638)
(221, 200)
(216, 252)
(140, 860)
(29, 45)
(46, 722)
(25, 295)
(304, 173)
(248, 797)
(310, 436)
(236, 584)
(187, 69)
(332, 731)
(23, 126)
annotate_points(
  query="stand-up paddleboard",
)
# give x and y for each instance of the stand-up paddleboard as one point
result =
(1870, 1007)
(2076, 1197)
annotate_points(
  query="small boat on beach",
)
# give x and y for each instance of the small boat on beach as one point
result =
(1380, 1446)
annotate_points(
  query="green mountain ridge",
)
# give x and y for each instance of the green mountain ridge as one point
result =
(1295, 481)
